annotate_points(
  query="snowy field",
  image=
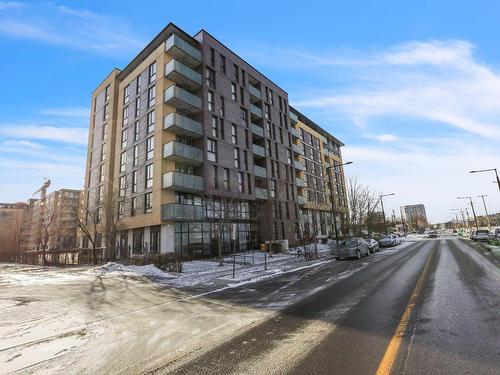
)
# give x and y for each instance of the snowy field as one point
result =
(119, 319)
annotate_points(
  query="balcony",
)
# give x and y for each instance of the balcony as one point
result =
(301, 200)
(258, 130)
(298, 165)
(177, 211)
(182, 182)
(181, 50)
(254, 91)
(293, 118)
(261, 193)
(256, 111)
(182, 99)
(259, 171)
(300, 183)
(259, 151)
(182, 125)
(295, 133)
(183, 75)
(297, 149)
(182, 153)
(325, 151)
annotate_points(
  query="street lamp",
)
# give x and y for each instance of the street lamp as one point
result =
(383, 212)
(461, 213)
(489, 170)
(473, 211)
(485, 209)
(332, 197)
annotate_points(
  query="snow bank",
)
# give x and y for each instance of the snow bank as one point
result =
(146, 271)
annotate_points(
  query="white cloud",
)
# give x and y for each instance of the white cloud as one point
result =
(72, 28)
(385, 137)
(10, 5)
(70, 135)
(67, 112)
(15, 144)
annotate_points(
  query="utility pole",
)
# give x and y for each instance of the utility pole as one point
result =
(490, 170)
(383, 212)
(468, 217)
(473, 210)
(486, 210)
(402, 219)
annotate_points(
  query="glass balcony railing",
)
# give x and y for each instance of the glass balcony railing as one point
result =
(182, 125)
(325, 151)
(297, 149)
(182, 182)
(295, 133)
(181, 50)
(301, 200)
(182, 153)
(300, 183)
(258, 130)
(298, 165)
(259, 151)
(256, 110)
(261, 193)
(260, 171)
(182, 99)
(182, 74)
(293, 118)
(177, 211)
(254, 91)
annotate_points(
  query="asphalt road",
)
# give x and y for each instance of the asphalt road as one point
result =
(432, 308)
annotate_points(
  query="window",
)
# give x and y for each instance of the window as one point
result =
(151, 96)
(149, 176)
(100, 193)
(236, 158)
(267, 110)
(210, 101)
(136, 131)
(273, 188)
(289, 156)
(245, 159)
(268, 129)
(134, 182)
(233, 91)
(223, 64)
(210, 77)
(138, 84)
(244, 117)
(103, 152)
(222, 106)
(136, 155)
(148, 205)
(221, 128)
(226, 178)
(133, 206)
(125, 116)
(123, 161)
(137, 107)
(107, 93)
(271, 97)
(212, 57)
(122, 186)
(152, 72)
(236, 73)
(124, 138)
(101, 173)
(99, 214)
(234, 134)
(126, 94)
(106, 112)
(215, 127)
(150, 145)
(241, 181)
(215, 177)
(211, 150)
(151, 122)
(249, 181)
(242, 95)
(105, 131)
(121, 208)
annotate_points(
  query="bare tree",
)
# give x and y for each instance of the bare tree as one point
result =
(361, 202)
(47, 229)
(111, 208)
(89, 215)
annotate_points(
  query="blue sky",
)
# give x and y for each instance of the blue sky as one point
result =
(411, 89)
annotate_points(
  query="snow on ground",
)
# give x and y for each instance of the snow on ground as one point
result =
(149, 270)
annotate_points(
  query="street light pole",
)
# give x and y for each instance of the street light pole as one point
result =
(473, 210)
(485, 209)
(402, 220)
(489, 170)
(332, 198)
(383, 212)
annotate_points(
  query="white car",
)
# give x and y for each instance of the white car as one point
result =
(480, 235)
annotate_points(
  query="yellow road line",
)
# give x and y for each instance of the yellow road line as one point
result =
(390, 355)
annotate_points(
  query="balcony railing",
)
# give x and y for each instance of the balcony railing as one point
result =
(181, 153)
(182, 182)
(300, 183)
(254, 91)
(259, 150)
(297, 149)
(177, 211)
(258, 130)
(256, 110)
(293, 118)
(181, 50)
(182, 99)
(295, 133)
(183, 75)
(261, 193)
(301, 200)
(182, 125)
(325, 151)
(298, 165)
(260, 171)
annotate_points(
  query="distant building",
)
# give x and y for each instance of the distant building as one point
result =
(15, 226)
(415, 216)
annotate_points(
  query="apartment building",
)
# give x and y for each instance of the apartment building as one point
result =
(188, 138)
(319, 178)
(416, 217)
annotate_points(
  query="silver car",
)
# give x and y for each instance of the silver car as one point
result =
(352, 248)
(387, 241)
(372, 245)
(480, 235)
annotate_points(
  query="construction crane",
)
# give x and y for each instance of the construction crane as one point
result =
(43, 195)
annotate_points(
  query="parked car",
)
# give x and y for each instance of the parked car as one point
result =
(480, 235)
(497, 233)
(433, 234)
(372, 245)
(387, 241)
(352, 248)
(397, 240)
